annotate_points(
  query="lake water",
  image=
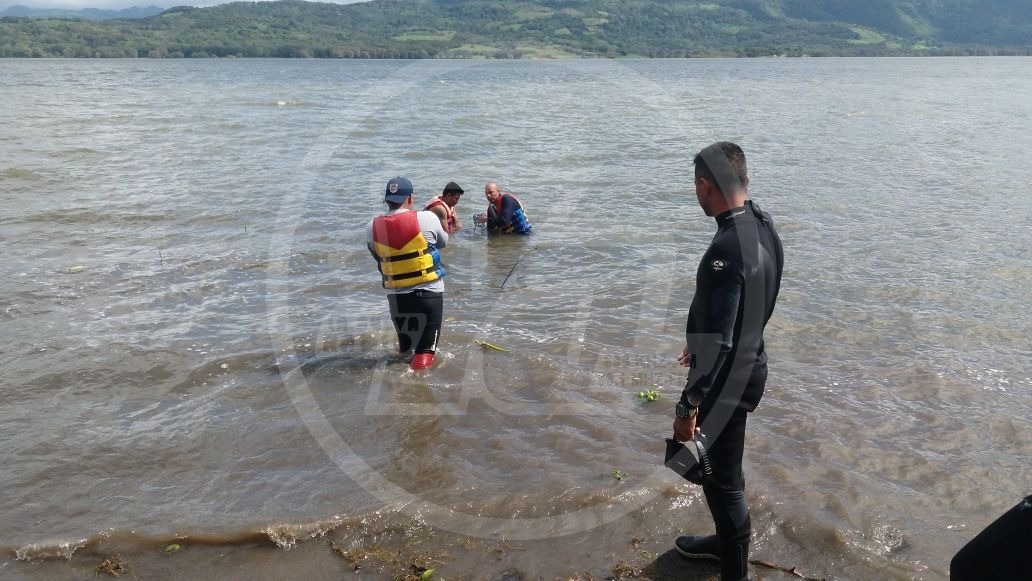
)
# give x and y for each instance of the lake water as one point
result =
(197, 349)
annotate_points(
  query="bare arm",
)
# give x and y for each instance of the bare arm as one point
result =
(442, 215)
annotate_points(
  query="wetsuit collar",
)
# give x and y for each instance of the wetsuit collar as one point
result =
(730, 214)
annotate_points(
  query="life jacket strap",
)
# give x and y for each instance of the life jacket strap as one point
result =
(413, 274)
(408, 256)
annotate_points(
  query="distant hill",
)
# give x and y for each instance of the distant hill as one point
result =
(540, 28)
(85, 14)
(984, 22)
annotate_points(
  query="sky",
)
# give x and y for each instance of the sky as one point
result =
(120, 4)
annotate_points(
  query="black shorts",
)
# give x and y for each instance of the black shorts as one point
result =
(417, 318)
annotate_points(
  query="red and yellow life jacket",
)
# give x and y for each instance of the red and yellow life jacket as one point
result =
(448, 210)
(403, 255)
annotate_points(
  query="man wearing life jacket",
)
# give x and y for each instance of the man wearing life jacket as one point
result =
(444, 207)
(505, 213)
(405, 245)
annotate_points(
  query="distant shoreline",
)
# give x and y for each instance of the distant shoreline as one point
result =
(526, 30)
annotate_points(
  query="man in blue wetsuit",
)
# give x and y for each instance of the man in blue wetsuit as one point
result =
(736, 286)
(505, 214)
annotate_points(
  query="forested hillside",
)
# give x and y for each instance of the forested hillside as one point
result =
(529, 29)
(83, 14)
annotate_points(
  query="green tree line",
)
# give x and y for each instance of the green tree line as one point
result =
(556, 28)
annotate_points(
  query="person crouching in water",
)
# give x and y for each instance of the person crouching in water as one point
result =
(405, 245)
(505, 213)
(444, 207)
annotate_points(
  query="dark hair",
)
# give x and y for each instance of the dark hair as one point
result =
(723, 164)
(452, 188)
(394, 205)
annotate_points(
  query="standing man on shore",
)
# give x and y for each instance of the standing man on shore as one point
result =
(405, 245)
(736, 286)
(444, 207)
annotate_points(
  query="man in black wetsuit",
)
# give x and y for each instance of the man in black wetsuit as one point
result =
(1001, 552)
(736, 286)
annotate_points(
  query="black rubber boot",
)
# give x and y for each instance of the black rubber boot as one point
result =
(694, 547)
(734, 529)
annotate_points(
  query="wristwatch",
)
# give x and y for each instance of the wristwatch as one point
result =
(686, 412)
(688, 407)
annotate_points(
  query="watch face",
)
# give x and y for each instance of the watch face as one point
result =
(684, 411)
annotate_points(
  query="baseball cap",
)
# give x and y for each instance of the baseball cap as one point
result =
(452, 188)
(398, 190)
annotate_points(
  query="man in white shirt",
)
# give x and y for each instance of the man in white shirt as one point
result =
(405, 244)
